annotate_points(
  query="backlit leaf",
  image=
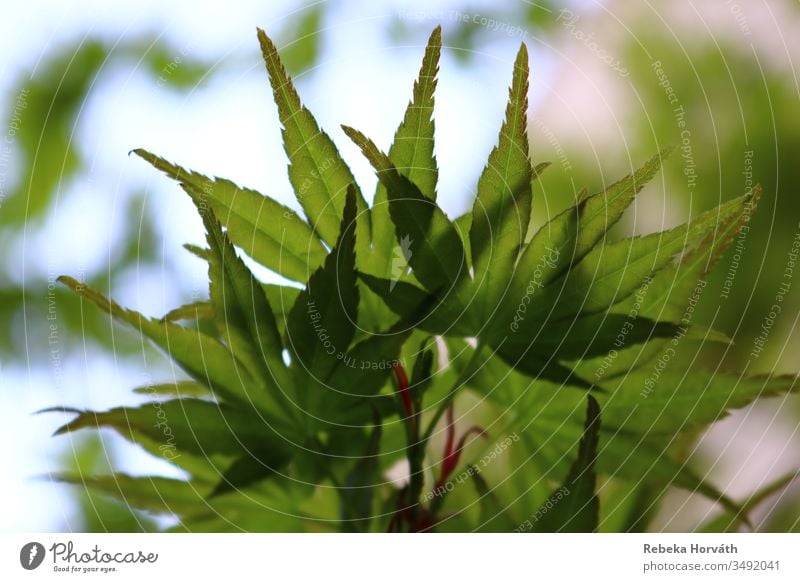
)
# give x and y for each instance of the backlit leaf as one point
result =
(411, 153)
(578, 510)
(271, 233)
(318, 173)
(502, 207)
(437, 255)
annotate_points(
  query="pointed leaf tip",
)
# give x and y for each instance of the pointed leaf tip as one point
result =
(578, 510)
(265, 41)
(317, 171)
(67, 409)
(501, 211)
(522, 55)
(330, 303)
(438, 259)
(667, 151)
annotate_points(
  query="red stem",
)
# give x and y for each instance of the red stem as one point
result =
(452, 455)
(402, 388)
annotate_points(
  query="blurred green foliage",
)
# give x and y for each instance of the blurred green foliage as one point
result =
(744, 130)
(302, 37)
(45, 117)
(50, 100)
(46, 158)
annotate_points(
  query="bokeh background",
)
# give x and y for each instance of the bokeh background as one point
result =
(85, 82)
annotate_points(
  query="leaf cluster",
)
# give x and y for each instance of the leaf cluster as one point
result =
(297, 401)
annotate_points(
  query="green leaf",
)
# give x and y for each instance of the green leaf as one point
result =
(368, 364)
(548, 421)
(659, 401)
(90, 456)
(271, 233)
(641, 422)
(322, 321)
(588, 336)
(352, 393)
(157, 494)
(422, 372)
(507, 374)
(494, 516)
(543, 368)
(281, 298)
(359, 488)
(578, 510)
(176, 390)
(244, 316)
(190, 311)
(197, 251)
(603, 210)
(629, 506)
(403, 298)
(252, 467)
(317, 172)
(502, 208)
(728, 522)
(250, 510)
(421, 309)
(531, 229)
(203, 357)
(607, 275)
(260, 428)
(668, 294)
(273, 505)
(185, 425)
(568, 237)
(624, 455)
(610, 273)
(416, 307)
(437, 255)
(553, 427)
(412, 150)
(463, 225)
(411, 153)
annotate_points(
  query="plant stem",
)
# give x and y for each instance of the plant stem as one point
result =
(421, 444)
(416, 455)
(465, 375)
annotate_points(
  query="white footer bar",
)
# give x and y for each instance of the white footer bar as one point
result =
(401, 557)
